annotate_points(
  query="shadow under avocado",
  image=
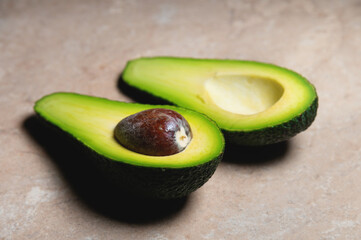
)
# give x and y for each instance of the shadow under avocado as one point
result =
(256, 155)
(137, 95)
(90, 186)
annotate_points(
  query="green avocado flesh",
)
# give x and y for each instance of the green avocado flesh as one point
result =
(253, 103)
(91, 122)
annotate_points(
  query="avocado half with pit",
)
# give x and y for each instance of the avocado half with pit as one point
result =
(91, 122)
(253, 103)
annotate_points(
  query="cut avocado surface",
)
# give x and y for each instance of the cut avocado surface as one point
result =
(253, 103)
(91, 121)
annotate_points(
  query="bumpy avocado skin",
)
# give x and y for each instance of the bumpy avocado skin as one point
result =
(156, 183)
(277, 133)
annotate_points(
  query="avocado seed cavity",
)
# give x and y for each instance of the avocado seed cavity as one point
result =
(155, 132)
(241, 94)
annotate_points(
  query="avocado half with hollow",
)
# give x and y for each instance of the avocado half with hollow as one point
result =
(253, 103)
(91, 122)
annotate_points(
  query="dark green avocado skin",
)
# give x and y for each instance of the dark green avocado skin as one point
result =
(276, 133)
(157, 183)
(145, 182)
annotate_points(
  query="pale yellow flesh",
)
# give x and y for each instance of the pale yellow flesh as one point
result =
(92, 121)
(238, 95)
(243, 94)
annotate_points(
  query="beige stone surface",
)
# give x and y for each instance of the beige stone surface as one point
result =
(308, 188)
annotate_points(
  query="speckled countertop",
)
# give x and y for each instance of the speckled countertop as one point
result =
(307, 188)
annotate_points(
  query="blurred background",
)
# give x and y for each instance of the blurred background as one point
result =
(307, 188)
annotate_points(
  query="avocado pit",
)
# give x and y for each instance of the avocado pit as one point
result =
(155, 132)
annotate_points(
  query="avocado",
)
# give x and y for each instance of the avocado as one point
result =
(253, 103)
(91, 121)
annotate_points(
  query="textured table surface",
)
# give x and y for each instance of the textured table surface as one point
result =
(307, 188)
